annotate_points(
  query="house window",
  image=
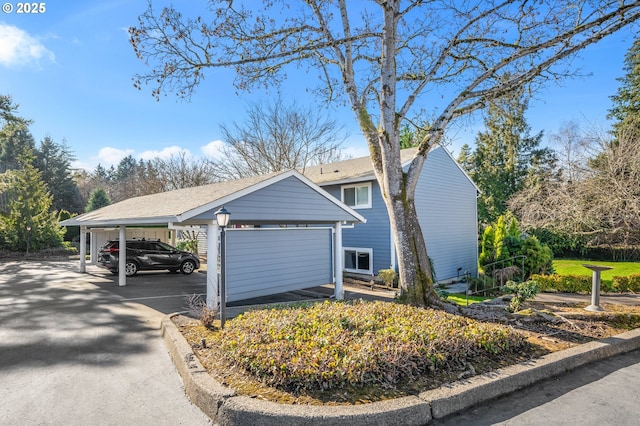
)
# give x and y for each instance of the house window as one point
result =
(357, 196)
(358, 260)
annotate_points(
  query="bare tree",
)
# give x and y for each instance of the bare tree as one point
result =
(386, 58)
(574, 147)
(602, 205)
(176, 172)
(276, 137)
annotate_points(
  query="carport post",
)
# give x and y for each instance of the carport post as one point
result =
(212, 266)
(122, 257)
(338, 256)
(83, 249)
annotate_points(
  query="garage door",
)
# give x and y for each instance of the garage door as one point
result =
(262, 262)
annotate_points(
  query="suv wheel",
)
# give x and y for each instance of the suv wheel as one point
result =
(187, 267)
(130, 268)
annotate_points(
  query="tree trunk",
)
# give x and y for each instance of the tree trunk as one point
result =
(415, 270)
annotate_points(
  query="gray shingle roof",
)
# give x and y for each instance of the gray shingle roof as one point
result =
(355, 169)
(167, 206)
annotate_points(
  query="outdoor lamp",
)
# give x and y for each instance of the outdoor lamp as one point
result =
(222, 217)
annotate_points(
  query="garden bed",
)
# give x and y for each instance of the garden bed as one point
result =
(540, 328)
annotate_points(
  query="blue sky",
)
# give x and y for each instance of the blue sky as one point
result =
(71, 67)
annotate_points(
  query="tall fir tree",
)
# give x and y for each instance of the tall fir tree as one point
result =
(626, 102)
(53, 161)
(504, 156)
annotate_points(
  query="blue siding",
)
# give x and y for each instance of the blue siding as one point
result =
(289, 200)
(262, 262)
(446, 205)
(375, 234)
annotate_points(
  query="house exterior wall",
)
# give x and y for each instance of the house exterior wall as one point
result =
(289, 200)
(261, 262)
(446, 206)
(446, 203)
(374, 234)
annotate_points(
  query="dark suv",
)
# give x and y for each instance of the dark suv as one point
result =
(148, 255)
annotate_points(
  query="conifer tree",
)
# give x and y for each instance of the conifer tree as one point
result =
(626, 102)
(26, 221)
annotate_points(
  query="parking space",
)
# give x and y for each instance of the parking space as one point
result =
(160, 290)
(169, 293)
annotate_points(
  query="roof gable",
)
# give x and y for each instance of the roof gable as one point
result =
(361, 169)
(181, 205)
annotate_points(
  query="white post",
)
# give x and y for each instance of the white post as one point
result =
(122, 256)
(338, 256)
(83, 249)
(93, 248)
(213, 299)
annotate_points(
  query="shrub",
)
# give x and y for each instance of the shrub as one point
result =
(336, 345)
(627, 283)
(521, 293)
(500, 243)
(388, 277)
(188, 245)
(568, 283)
(199, 309)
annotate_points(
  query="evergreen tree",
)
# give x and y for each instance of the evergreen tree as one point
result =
(505, 155)
(26, 220)
(97, 199)
(14, 136)
(53, 160)
(15, 140)
(626, 102)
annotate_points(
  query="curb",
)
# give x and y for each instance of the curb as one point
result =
(224, 406)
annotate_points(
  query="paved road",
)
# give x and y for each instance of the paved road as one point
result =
(72, 353)
(605, 393)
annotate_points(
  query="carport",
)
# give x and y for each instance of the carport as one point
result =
(285, 232)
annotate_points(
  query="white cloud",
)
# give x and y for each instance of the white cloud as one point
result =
(165, 153)
(213, 149)
(18, 48)
(111, 156)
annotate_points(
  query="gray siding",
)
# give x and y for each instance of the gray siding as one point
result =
(261, 262)
(286, 201)
(446, 205)
(374, 234)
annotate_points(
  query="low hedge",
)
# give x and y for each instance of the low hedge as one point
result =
(628, 283)
(583, 284)
(568, 283)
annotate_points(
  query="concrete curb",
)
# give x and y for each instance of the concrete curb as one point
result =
(224, 406)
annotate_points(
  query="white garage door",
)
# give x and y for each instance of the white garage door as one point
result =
(267, 261)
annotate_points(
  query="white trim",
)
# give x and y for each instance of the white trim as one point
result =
(359, 250)
(356, 186)
(338, 261)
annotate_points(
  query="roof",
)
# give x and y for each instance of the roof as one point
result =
(353, 170)
(179, 205)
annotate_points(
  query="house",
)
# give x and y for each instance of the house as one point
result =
(445, 202)
(283, 235)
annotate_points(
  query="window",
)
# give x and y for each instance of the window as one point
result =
(357, 196)
(359, 260)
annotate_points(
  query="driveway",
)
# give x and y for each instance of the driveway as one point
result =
(73, 353)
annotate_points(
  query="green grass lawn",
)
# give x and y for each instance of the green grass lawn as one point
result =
(574, 267)
(461, 299)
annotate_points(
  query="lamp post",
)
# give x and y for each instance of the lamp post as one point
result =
(222, 217)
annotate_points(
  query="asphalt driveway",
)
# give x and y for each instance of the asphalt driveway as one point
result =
(74, 352)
